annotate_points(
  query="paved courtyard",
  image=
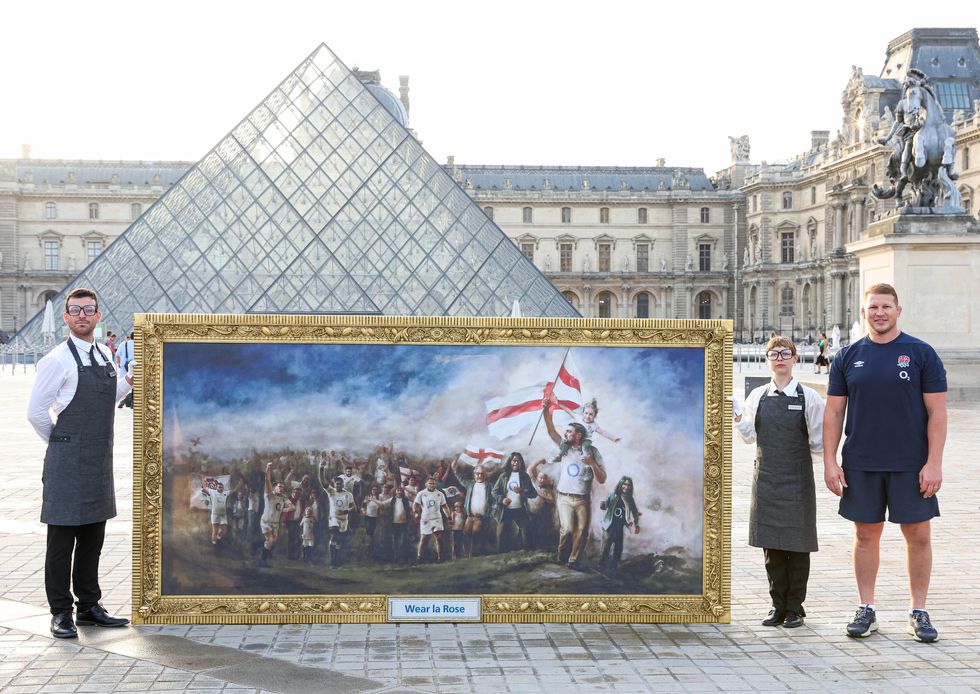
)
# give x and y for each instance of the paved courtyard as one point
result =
(445, 658)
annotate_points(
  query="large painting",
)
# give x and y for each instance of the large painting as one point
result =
(313, 468)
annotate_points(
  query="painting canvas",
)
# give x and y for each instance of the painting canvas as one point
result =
(307, 469)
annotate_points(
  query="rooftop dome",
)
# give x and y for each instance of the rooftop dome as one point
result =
(390, 102)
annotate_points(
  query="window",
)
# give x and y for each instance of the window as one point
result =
(641, 215)
(704, 257)
(566, 215)
(488, 211)
(51, 255)
(642, 305)
(605, 253)
(528, 215)
(966, 158)
(786, 301)
(704, 305)
(528, 250)
(603, 215)
(813, 195)
(787, 200)
(787, 245)
(50, 210)
(643, 257)
(605, 305)
(953, 95)
(135, 210)
(92, 249)
(571, 298)
(565, 257)
(93, 210)
(754, 202)
(705, 215)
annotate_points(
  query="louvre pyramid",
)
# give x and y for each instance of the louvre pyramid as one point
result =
(319, 201)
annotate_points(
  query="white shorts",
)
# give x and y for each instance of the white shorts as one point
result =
(427, 527)
(269, 528)
(219, 519)
(308, 543)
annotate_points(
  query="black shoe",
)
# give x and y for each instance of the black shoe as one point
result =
(96, 616)
(793, 620)
(576, 566)
(62, 626)
(775, 618)
(864, 623)
(921, 628)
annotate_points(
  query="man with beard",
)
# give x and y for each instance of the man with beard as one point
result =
(579, 466)
(510, 495)
(477, 505)
(893, 390)
(76, 380)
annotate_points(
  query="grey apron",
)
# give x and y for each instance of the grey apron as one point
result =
(784, 499)
(77, 480)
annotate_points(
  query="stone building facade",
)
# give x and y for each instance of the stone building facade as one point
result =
(762, 243)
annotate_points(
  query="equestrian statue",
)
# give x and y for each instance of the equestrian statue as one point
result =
(924, 147)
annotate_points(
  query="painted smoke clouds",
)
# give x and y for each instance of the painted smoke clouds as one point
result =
(429, 401)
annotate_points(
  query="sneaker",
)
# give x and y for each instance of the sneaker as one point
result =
(921, 628)
(864, 623)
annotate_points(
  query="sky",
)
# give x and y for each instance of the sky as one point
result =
(542, 83)
(430, 401)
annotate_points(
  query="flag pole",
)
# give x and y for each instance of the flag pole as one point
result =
(553, 382)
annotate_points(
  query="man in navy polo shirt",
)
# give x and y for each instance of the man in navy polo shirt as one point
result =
(893, 390)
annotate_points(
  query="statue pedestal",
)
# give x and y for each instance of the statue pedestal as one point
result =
(934, 263)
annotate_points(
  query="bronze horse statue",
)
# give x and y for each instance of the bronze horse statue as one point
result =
(923, 156)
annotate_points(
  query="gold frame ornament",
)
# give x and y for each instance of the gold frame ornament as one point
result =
(154, 331)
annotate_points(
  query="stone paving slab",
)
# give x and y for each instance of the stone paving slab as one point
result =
(447, 658)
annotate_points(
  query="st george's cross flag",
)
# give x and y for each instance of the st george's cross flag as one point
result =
(481, 455)
(520, 410)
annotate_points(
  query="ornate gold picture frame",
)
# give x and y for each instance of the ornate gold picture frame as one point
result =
(282, 469)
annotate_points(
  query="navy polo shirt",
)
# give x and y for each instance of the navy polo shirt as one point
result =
(886, 417)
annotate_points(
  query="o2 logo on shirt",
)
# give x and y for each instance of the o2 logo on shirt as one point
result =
(619, 513)
(430, 503)
(513, 486)
(573, 470)
(904, 361)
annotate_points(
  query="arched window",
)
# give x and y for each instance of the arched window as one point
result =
(605, 300)
(50, 210)
(641, 215)
(705, 215)
(643, 305)
(528, 215)
(704, 305)
(571, 298)
(787, 200)
(566, 215)
(603, 215)
(93, 210)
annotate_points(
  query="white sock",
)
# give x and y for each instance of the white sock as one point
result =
(869, 605)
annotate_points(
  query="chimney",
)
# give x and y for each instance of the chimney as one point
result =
(661, 162)
(819, 138)
(403, 92)
(25, 151)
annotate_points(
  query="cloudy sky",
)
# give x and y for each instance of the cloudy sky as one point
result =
(572, 83)
(430, 402)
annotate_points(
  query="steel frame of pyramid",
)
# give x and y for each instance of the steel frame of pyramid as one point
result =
(318, 201)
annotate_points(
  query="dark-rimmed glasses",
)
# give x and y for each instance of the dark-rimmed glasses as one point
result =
(89, 310)
(777, 354)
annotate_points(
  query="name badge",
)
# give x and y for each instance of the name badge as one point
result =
(795, 407)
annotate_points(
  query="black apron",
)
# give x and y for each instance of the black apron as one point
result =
(783, 514)
(77, 480)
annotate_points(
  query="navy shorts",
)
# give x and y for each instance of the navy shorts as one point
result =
(867, 494)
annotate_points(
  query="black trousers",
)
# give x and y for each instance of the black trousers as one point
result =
(788, 575)
(85, 542)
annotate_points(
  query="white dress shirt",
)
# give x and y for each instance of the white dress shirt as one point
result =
(57, 380)
(813, 414)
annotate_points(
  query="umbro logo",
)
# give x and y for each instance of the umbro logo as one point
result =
(858, 364)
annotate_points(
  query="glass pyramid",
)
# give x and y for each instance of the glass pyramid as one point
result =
(319, 201)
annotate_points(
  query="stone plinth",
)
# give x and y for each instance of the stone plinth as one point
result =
(934, 263)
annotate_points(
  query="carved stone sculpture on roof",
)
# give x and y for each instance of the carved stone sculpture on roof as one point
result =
(813, 247)
(680, 181)
(758, 253)
(662, 185)
(887, 119)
